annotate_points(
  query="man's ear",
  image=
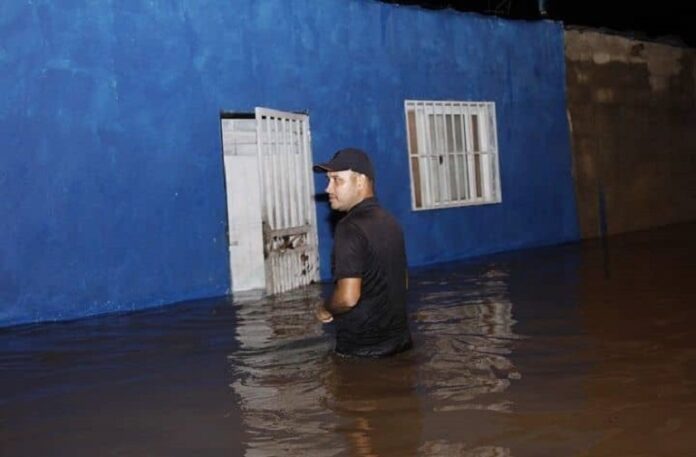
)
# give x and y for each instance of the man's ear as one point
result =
(362, 181)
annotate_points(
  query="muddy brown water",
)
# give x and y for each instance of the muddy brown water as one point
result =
(577, 350)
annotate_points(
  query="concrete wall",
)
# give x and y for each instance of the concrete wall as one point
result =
(632, 106)
(111, 167)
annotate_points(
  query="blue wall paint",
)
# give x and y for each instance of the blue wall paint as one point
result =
(111, 172)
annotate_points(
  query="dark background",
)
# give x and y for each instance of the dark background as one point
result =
(669, 21)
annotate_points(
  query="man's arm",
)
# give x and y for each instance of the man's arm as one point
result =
(349, 255)
(345, 296)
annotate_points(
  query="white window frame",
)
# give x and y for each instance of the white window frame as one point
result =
(452, 153)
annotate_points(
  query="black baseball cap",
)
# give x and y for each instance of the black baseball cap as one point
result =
(348, 159)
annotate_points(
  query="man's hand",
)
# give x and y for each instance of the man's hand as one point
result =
(322, 314)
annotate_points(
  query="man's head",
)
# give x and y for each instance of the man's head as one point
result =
(351, 178)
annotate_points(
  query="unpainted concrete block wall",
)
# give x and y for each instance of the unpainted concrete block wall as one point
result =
(632, 113)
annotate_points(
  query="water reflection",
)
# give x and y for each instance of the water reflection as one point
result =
(376, 405)
(278, 374)
(464, 320)
(298, 398)
(606, 362)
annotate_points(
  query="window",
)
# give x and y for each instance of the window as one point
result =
(453, 153)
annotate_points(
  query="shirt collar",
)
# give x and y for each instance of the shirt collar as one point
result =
(366, 203)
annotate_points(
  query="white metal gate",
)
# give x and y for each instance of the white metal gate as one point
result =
(290, 244)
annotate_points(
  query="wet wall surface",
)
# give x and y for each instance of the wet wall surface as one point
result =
(584, 349)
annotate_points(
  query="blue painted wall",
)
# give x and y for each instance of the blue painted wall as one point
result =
(111, 179)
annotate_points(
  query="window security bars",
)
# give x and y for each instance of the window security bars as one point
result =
(453, 153)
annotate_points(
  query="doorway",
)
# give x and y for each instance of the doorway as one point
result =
(271, 212)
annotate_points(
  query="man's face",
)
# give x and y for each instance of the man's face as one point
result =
(343, 189)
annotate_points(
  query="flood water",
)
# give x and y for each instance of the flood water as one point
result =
(576, 350)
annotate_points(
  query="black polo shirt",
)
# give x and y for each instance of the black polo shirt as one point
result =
(369, 244)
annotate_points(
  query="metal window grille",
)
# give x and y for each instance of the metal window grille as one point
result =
(453, 153)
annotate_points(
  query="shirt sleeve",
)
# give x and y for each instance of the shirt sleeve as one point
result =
(350, 252)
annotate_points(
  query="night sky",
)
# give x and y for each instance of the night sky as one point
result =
(670, 21)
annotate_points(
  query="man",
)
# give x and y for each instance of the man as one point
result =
(369, 264)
